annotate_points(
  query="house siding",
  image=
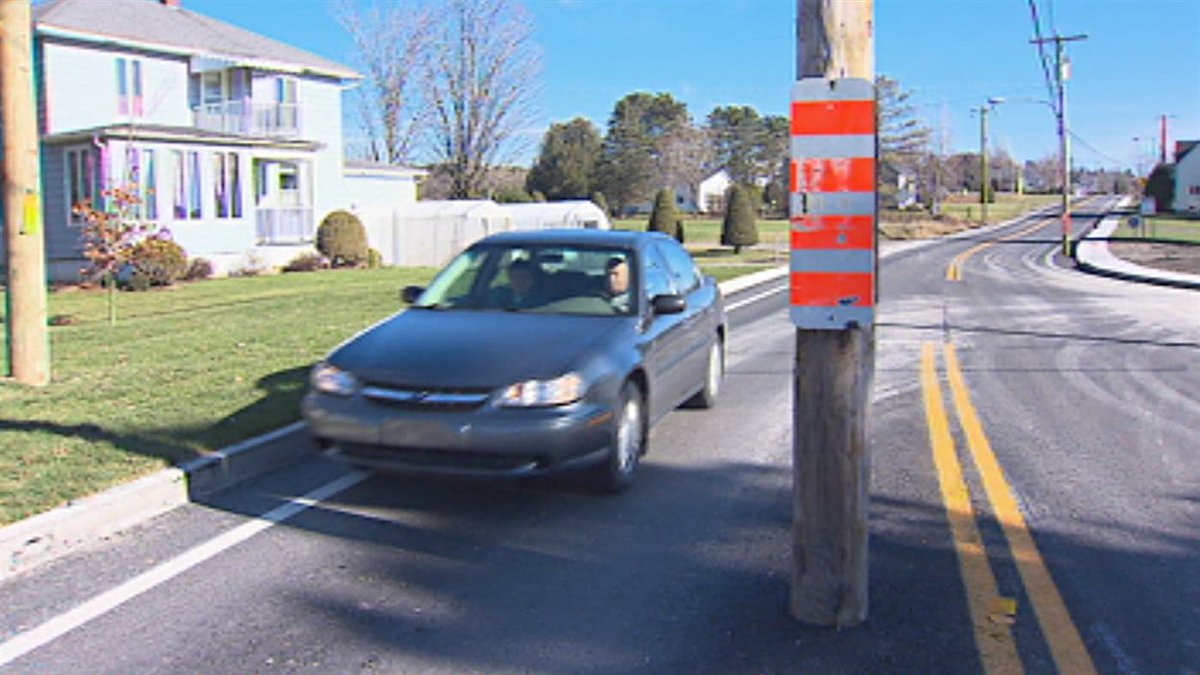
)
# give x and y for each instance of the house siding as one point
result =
(80, 87)
(1187, 182)
(321, 102)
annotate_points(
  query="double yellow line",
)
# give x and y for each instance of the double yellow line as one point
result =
(992, 613)
(954, 271)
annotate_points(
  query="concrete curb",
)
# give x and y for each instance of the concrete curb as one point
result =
(1092, 255)
(39, 539)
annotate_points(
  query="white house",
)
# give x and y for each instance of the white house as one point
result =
(1187, 177)
(710, 194)
(233, 140)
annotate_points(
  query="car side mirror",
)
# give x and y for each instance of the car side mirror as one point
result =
(668, 304)
(410, 294)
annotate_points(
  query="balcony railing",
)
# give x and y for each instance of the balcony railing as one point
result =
(284, 225)
(239, 117)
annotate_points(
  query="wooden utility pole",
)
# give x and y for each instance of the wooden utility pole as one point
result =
(25, 284)
(1061, 75)
(834, 258)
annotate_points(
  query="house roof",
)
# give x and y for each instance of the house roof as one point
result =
(154, 26)
(1184, 148)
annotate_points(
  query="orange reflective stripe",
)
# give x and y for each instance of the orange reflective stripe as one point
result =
(833, 118)
(833, 232)
(833, 289)
(850, 174)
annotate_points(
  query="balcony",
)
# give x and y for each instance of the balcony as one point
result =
(277, 120)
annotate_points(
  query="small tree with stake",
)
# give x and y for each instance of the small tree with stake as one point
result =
(111, 236)
(663, 218)
(739, 228)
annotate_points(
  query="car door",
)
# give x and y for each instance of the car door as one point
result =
(698, 321)
(664, 336)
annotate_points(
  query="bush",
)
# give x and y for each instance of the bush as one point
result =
(249, 266)
(307, 262)
(663, 218)
(199, 269)
(739, 228)
(343, 239)
(156, 261)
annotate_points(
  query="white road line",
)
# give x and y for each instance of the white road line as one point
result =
(754, 298)
(51, 630)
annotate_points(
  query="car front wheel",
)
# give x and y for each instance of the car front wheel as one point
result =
(713, 374)
(628, 442)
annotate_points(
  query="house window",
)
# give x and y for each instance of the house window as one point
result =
(149, 187)
(81, 183)
(227, 185)
(186, 184)
(235, 185)
(285, 97)
(130, 94)
(220, 189)
(122, 87)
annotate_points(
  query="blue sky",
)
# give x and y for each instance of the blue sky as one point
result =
(1141, 60)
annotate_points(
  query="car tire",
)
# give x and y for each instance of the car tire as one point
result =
(713, 374)
(616, 473)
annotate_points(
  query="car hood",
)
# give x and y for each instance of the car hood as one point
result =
(472, 350)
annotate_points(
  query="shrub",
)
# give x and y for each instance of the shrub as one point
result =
(307, 262)
(738, 229)
(156, 261)
(250, 266)
(663, 218)
(199, 269)
(342, 238)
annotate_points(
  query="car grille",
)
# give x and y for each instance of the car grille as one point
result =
(399, 458)
(426, 399)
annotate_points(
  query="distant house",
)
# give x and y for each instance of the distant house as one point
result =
(233, 140)
(1187, 177)
(710, 194)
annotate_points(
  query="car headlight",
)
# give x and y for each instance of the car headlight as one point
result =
(329, 379)
(544, 393)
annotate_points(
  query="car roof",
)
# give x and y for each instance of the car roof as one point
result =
(574, 237)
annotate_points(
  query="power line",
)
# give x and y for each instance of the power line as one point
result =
(1079, 139)
(1040, 41)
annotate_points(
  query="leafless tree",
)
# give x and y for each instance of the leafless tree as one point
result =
(480, 87)
(684, 157)
(392, 41)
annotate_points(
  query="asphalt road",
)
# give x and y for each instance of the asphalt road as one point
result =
(1077, 396)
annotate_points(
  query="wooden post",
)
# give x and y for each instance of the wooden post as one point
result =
(25, 319)
(833, 371)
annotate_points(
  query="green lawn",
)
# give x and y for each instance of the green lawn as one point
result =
(1007, 206)
(1168, 228)
(184, 371)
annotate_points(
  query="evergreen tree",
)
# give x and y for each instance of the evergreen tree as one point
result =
(739, 227)
(640, 127)
(566, 166)
(663, 218)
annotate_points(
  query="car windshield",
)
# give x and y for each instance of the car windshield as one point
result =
(547, 279)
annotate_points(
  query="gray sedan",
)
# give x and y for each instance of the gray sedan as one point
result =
(529, 352)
